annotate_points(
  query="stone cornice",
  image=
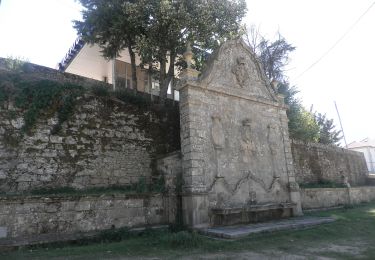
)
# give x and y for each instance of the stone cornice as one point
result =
(230, 93)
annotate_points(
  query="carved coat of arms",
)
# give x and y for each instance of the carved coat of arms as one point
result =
(241, 72)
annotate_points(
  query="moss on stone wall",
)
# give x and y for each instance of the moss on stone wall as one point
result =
(39, 97)
(78, 137)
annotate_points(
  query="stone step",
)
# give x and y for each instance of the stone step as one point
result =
(240, 231)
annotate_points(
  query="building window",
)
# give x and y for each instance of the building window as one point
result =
(155, 85)
(123, 75)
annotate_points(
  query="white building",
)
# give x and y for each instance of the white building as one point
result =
(86, 60)
(366, 146)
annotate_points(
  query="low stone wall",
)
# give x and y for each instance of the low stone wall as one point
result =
(317, 198)
(314, 163)
(35, 215)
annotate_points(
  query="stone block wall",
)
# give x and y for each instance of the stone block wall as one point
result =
(315, 163)
(171, 168)
(104, 143)
(61, 215)
(318, 198)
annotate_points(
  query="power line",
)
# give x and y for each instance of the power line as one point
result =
(338, 41)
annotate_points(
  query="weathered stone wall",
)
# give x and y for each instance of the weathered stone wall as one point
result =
(32, 216)
(234, 138)
(104, 143)
(315, 163)
(170, 167)
(317, 198)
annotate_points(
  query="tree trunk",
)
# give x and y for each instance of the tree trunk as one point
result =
(162, 79)
(133, 68)
(165, 78)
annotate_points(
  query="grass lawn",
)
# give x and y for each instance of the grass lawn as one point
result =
(351, 236)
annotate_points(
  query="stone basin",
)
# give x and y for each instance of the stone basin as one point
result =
(223, 216)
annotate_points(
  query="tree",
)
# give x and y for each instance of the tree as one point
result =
(114, 25)
(273, 55)
(160, 29)
(172, 24)
(327, 132)
(302, 124)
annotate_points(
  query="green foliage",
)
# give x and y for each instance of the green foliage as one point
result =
(327, 132)
(132, 98)
(38, 97)
(43, 96)
(159, 30)
(302, 124)
(274, 56)
(112, 235)
(354, 229)
(46, 97)
(100, 91)
(140, 187)
(183, 239)
(305, 125)
(51, 191)
(322, 184)
(158, 185)
(15, 64)
(7, 88)
(134, 188)
(114, 25)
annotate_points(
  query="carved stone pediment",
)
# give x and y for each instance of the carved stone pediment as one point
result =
(234, 69)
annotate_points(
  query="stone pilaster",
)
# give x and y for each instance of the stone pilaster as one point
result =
(294, 190)
(194, 190)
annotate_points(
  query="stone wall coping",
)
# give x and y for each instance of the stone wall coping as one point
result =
(335, 189)
(325, 147)
(324, 189)
(69, 197)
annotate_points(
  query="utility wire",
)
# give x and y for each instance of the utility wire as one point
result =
(338, 41)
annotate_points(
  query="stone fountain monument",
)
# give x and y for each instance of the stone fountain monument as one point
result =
(236, 156)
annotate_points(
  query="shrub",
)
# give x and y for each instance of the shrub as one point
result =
(15, 64)
(322, 184)
(132, 98)
(100, 91)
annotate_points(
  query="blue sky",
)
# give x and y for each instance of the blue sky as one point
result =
(41, 31)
